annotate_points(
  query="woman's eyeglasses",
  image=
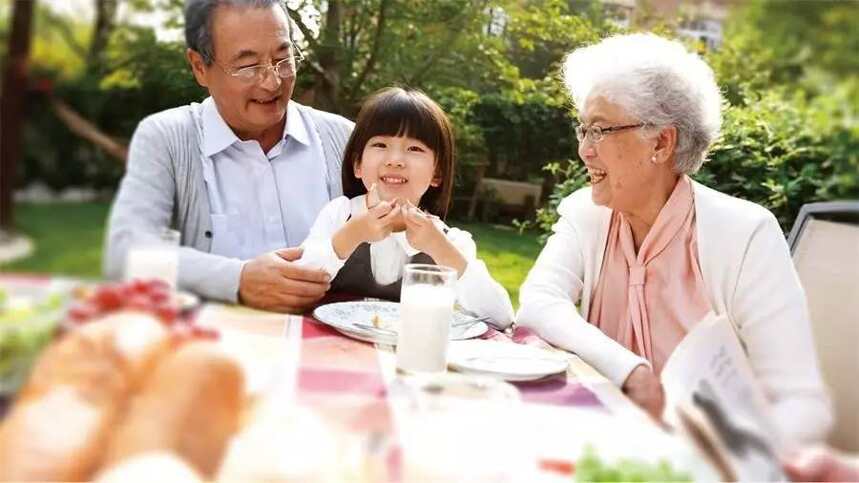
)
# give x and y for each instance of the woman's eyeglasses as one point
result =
(596, 134)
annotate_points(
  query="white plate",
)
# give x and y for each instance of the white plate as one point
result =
(187, 300)
(357, 319)
(504, 360)
(418, 387)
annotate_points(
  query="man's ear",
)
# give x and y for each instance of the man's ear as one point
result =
(666, 143)
(198, 67)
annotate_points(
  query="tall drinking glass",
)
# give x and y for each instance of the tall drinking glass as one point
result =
(426, 309)
(157, 257)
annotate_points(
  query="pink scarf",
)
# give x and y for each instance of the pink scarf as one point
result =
(647, 301)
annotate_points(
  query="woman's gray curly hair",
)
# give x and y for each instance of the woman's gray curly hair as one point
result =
(656, 80)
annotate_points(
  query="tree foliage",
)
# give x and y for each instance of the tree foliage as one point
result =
(790, 133)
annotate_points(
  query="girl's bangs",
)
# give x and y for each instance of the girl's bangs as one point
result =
(402, 116)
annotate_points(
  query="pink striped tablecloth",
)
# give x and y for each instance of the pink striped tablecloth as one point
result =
(332, 362)
(333, 367)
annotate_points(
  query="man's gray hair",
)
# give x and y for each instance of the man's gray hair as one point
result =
(198, 22)
(659, 82)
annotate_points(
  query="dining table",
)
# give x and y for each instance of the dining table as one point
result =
(327, 407)
(355, 389)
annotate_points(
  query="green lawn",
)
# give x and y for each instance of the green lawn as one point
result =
(68, 238)
(508, 254)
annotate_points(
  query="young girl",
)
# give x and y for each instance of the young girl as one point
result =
(397, 182)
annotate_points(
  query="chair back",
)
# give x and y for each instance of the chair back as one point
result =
(825, 247)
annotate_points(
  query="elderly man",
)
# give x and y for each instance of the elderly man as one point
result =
(242, 174)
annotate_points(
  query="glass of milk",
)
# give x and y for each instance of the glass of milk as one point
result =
(155, 257)
(426, 309)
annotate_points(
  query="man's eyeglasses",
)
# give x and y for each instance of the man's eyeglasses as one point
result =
(595, 134)
(284, 69)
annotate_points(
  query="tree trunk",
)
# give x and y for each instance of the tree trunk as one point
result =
(374, 51)
(480, 171)
(327, 89)
(105, 16)
(12, 104)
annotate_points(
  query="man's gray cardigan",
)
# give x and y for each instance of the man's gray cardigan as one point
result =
(164, 187)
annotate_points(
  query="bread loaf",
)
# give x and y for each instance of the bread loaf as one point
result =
(60, 424)
(190, 405)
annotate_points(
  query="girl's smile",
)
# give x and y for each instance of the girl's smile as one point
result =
(400, 167)
(393, 179)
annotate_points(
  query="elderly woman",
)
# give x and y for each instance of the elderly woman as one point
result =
(645, 252)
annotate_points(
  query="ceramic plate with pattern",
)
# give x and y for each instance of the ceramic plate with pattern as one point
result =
(504, 360)
(378, 321)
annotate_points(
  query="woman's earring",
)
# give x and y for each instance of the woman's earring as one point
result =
(653, 159)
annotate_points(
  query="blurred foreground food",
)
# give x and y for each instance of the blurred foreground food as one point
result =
(128, 379)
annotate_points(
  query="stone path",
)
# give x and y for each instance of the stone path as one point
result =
(14, 247)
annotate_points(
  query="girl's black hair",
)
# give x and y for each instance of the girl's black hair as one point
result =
(396, 111)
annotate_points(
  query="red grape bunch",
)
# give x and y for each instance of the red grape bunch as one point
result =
(154, 297)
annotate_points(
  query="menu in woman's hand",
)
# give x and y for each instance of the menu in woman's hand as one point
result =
(712, 396)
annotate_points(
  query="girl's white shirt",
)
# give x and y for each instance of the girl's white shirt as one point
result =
(476, 290)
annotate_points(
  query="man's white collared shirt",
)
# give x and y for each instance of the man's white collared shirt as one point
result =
(262, 201)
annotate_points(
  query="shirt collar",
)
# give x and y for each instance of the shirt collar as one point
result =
(295, 126)
(217, 135)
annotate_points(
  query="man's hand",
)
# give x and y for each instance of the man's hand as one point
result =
(644, 388)
(272, 282)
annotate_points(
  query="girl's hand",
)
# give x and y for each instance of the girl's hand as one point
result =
(374, 225)
(373, 200)
(377, 223)
(423, 235)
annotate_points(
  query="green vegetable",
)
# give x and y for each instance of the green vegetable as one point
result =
(25, 328)
(590, 467)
